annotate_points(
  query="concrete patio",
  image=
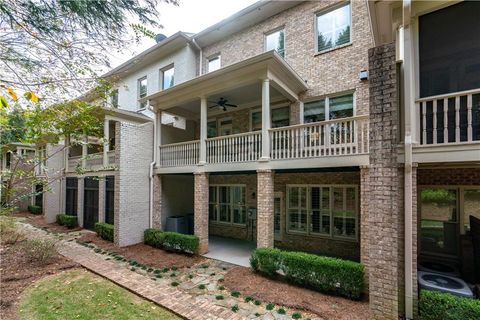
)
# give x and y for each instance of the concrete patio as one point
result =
(230, 250)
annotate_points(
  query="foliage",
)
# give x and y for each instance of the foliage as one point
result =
(325, 274)
(219, 297)
(281, 311)
(296, 315)
(104, 230)
(235, 308)
(438, 305)
(441, 197)
(67, 220)
(9, 231)
(171, 241)
(59, 46)
(235, 294)
(41, 251)
(34, 209)
(270, 306)
(78, 294)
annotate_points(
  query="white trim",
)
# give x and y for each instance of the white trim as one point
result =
(162, 76)
(328, 10)
(231, 204)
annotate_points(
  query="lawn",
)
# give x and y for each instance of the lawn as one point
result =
(79, 294)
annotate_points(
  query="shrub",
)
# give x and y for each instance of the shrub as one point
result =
(219, 297)
(248, 298)
(9, 231)
(235, 294)
(41, 251)
(257, 302)
(324, 274)
(171, 241)
(281, 311)
(202, 286)
(270, 306)
(438, 305)
(296, 315)
(174, 284)
(104, 230)
(34, 209)
(67, 220)
(235, 308)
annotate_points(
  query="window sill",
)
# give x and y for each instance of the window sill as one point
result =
(228, 224)
(318, 53)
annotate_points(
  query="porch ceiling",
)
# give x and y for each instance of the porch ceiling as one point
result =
(219, 83)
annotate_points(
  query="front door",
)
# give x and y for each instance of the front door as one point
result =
(90, 203)
(39, 195)
(277, 215)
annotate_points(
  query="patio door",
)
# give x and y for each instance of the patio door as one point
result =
(277, 215)
(90, 204)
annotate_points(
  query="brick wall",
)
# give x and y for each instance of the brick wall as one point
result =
(326, 73)
(53, 196)
(201, 210)
(265, 203)
(449, 176)
(385, 212)
(134, 153)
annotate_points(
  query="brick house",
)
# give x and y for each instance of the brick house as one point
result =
(317, 126)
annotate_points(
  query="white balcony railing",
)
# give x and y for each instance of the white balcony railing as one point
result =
(241, 147)
(92, 161)
(179, 154)
(347, 136)
(450, 118)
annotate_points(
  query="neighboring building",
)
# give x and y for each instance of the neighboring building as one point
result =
(311, 126)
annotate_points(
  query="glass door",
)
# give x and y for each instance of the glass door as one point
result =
(277, 215)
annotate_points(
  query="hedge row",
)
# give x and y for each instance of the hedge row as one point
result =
(104, 230)
(67, 220)
(324, 274)
(34, 209)
(171, 241)
(439, 305)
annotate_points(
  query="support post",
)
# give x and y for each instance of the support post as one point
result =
(265, 120)
(106, 141)
(84, 151)
(157, 202)
(159, 137)
(201, 210)
(66, 152)
(203, 131)
(265, 205)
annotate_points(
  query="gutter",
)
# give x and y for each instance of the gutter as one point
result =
(152, 164)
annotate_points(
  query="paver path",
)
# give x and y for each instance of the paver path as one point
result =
(183, 304)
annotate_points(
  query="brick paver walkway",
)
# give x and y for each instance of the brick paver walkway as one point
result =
(183, 304)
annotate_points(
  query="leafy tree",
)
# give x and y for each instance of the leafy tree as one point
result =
(61, 45)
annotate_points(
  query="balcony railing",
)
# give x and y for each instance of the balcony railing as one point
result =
(179, 154)
(241, 147)
(320, 139)
(450, 118)
(92, 161)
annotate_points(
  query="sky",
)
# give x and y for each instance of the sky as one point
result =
(190, 16)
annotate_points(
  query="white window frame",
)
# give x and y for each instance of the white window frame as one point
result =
(232, 205)
(309, 211)
(327, 103)
(214, 57)
(162, 76)
(278, 29)
(325, 11)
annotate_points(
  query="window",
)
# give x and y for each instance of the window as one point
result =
(227, 204)
(323, 210)
(280, 117)
(109, 199)
(333, 28)
(168, 78)
(142, 91)
(214, 63)
(114, 98)
(276, 41)
(471, 206)
(71, 195)
(449, 49)
(211, 129)
(225, 126)
(328, 108)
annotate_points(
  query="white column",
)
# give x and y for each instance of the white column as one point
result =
(300, 112)
(265, 119)
(159, 136)
(84, 150)
(66, 152)
(106, 141)
(203, 131)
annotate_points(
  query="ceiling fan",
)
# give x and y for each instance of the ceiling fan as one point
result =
(222, 103)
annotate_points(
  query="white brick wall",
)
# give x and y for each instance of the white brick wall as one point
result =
(53, 197)
(134, 153)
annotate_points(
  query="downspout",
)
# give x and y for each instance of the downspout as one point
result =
(409, 104)
(200, 65)
(152, 165)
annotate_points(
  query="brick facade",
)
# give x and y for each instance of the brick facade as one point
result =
(265, 179)
(157, 202)
(201, 210)
(449, 176)
(384, 223)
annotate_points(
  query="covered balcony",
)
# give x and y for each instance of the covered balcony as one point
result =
(251, 114)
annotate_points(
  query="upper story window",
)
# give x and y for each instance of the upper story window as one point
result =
(214, 63)
(276, 41)
(142, 91)
(333, 27)
(328, 108)
(449, 49)
(168, 77)
(114, 98)
(279, 117)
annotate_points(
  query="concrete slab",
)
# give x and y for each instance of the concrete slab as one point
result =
(230, 250)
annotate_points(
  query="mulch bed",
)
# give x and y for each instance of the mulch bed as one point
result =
(146, 255)
(252, 284)
(39, 222)
(17, 273)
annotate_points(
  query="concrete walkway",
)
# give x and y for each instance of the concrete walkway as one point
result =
(230, 250)
(180, 303)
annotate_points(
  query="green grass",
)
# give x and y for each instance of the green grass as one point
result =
(79, 294)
